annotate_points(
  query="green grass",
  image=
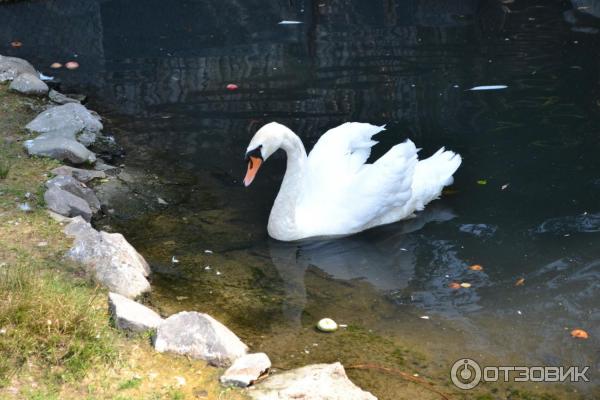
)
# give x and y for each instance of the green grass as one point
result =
(49, 321)
(130, 384)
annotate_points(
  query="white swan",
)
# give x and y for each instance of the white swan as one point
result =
(333, 191)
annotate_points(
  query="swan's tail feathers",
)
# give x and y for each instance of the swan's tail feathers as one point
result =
(432, 174)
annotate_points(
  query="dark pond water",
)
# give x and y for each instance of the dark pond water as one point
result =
(158, 72)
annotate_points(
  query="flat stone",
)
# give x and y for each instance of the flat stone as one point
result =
(29, 84)
(77, 188)
(109, 170)
(318, 381)
(59, 98)
(246, 370)
(109, 258)
(199, 336)
(82, 175)
(11, 67)
(67, 204)
(60, 148)
(71, 120)
(132, 316)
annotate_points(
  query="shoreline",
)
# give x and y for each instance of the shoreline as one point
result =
(65, 130)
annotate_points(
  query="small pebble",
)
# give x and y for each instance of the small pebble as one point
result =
(327, 325)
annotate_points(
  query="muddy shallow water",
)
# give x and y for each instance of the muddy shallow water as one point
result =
(525, 204)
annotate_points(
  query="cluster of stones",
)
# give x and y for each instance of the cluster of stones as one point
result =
(64, 131)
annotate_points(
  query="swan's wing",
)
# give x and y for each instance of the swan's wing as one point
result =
(347, 146)
(342, 194)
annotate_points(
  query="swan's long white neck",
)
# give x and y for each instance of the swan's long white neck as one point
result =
(284, 206)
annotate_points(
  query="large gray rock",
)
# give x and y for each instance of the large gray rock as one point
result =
(71, 120)
(246, 370)
(67, 204)
(109, 258)
(313, 382)
(82, 175)
(199, 336)
(59, 98)
(11, 67)
(132, 316)
(60, 148)
(77, 188)
(29, 84)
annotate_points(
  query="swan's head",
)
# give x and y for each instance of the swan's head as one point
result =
(266, 141)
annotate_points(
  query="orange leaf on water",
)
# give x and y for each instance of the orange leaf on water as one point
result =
(55, 65)
(579, 334)
(476, 267)
(520, 282)
(454, 285)
(16, 44)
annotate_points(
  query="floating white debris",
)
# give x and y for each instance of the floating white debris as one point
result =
(46, 77)
(343, 325)
(288, 22)
(490, 87)
(327, 325)
(218, 272)
(174, 260)
(424, 317)
(207, 268)
(519, 312)
(161, 201)
(208, 251)
(403, 249)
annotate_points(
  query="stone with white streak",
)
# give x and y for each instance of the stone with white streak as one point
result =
(313, 382)
(109, 258)
(246, 370)
(77, 188)
(132, 316)
(199, 336)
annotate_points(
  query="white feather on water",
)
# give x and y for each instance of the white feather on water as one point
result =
(286, 22)
(489, 87)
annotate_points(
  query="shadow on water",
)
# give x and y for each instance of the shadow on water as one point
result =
(158, 72)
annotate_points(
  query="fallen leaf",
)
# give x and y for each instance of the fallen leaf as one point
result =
(520, 282)
(505, 186)
(476, 267)
(447, 192)
(454, 285)
(72, 65)
(16, 44)
(579, 334)
(465, 285)
(482, 182)
(56, 65)
(232, 86)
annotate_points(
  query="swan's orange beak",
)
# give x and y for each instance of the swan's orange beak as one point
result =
(254, 164)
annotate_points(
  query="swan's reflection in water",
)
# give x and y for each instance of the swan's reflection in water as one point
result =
(385, 258)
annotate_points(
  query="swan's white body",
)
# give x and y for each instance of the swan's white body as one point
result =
(332, 191)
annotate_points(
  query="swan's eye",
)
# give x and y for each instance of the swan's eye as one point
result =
(256, 153)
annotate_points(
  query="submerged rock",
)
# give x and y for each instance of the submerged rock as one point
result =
(60, 148)
(130, 315)
(246, 370)
(76, 188)
(29, 84)
(82, 175)
(199, 336)
(109, 258)
(11, 67)
(318, 381)
(65, 203)
(59, 98)
(584, 223)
